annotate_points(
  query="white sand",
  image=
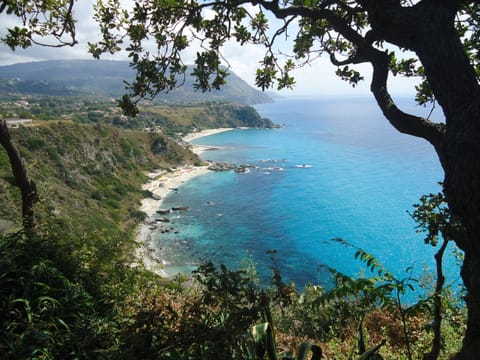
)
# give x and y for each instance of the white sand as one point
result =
(201, 149)
(160, 184)
(199, 134)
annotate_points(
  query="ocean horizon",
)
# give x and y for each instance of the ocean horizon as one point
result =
(335, 178)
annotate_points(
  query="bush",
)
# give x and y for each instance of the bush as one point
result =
(45, 315)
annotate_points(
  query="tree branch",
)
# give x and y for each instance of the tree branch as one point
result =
(27, 186)
(437, 303)
(409, 124)
(403, 122)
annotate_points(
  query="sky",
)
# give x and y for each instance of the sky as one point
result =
(317, 78)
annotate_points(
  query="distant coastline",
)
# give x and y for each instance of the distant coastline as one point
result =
(161, 183)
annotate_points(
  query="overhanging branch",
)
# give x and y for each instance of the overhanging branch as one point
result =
(403, 122)
(409, 124)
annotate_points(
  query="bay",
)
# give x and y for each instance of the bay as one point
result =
(336, 174)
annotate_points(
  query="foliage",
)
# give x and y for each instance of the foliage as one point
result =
(173, 120)
(169, 119)
(341, 30)
(122, 312)
(434, 218)
(349, 32)
(130, 313)
(40, 20)
(205, 321)
(382, 290)
(101, 168)
(261, 342)
(46, 314)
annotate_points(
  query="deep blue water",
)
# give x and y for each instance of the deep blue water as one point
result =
(362, 177)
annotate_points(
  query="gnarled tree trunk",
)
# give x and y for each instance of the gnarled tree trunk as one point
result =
(428, 29)
(455, 86)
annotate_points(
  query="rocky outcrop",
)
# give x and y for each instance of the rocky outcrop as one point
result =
(242, 169)
(222, 166)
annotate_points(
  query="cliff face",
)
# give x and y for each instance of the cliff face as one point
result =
(88, 177)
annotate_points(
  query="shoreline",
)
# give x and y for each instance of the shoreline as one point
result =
(161, 183)
(199, 134)
(200, 149)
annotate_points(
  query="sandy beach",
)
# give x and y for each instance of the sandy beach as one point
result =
(160, 184)
(200, 149)
(199, 134)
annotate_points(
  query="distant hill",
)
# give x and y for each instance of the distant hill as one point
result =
(105, 78)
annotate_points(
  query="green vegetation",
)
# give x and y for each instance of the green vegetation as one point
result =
(184, 119)
(54, 308)
(38, 287)
(70, 288)
(392, 37)
(170, 119)
(88, 172)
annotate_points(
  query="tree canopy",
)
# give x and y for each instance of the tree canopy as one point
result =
(46, 23)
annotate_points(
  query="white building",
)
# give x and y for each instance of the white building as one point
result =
(15, 123)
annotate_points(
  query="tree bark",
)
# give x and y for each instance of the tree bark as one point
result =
(455, 86)
(27, 186)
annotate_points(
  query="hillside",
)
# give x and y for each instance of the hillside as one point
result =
(87, 172)
(170, 119)
(106, 79)
(184, 119)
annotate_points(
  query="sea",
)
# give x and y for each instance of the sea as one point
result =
(335, 178)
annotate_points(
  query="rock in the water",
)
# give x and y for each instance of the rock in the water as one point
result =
(180, 208)
(222, 166)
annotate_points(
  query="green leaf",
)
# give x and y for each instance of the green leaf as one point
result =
(371, 351)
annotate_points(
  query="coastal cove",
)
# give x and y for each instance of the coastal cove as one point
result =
(332, 180)
(161, 183)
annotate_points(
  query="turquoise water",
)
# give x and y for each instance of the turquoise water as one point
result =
(336, 170)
